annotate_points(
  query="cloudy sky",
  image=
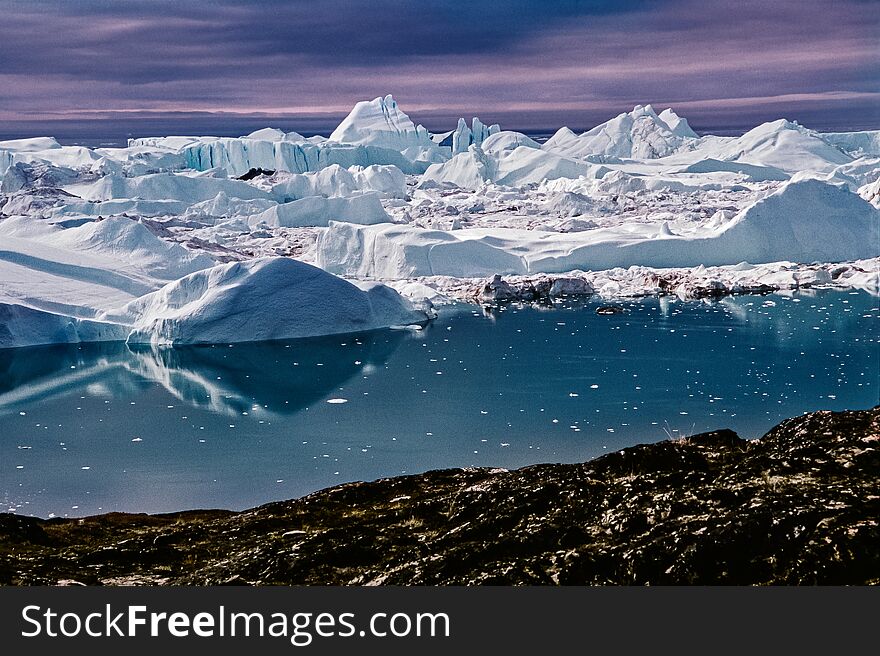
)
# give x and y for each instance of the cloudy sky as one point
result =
(526, 64)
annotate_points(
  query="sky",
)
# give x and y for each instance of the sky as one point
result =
(144, 65)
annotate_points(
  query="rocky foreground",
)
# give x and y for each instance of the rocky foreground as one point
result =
(799, 506)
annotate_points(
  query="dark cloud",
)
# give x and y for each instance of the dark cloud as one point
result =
(524, 58)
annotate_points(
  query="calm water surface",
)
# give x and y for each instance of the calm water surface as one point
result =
(94, 428)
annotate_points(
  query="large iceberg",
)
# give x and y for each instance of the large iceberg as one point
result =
(381, 123)
(46, 150)
(268, 149)
(640, 133)
(803, 221)
(114, 280)
(277, 298)
(56, 282)
(238, 156)
(498, 142)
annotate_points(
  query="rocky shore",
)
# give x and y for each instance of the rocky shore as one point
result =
(801, 505)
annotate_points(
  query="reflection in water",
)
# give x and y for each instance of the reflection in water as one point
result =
(268, 378)
(100, 427)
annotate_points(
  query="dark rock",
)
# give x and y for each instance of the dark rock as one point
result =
(255, 173)
(18, 530)
(798, 506)
(609, 309)
(498, 290)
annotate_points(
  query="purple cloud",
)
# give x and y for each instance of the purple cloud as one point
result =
(532, 63)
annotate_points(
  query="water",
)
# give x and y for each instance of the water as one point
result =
(94, 428)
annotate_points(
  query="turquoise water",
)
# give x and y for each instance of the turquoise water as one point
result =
(96, 428)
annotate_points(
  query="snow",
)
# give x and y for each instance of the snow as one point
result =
(160, 242)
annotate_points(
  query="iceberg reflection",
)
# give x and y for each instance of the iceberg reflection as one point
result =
(270, 378)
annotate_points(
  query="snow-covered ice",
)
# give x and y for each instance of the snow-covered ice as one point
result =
(185, 239)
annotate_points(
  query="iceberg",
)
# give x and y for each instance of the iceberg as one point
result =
(260, 300)
(781, 144)
(395, 252)
(166, 186)
(239, 156)
(334, 180)
(55, 282)
(522, 165)
(803, 221)
(640, 133)
(365, 208)
(498, 142)
(464, 137)
(677, 124)
(858, 144)
(380, 122)
(25, 326)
